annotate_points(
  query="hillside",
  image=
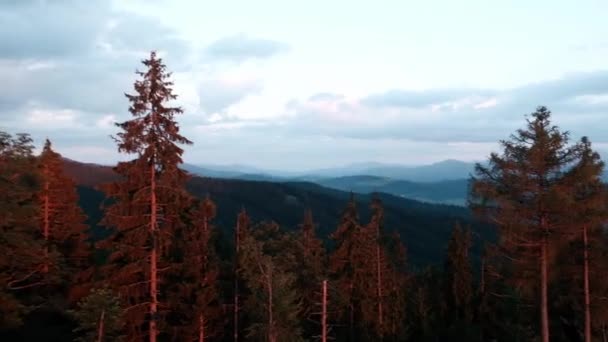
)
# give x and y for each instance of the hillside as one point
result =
(424, 228)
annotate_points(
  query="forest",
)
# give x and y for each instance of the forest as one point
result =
(148, 252)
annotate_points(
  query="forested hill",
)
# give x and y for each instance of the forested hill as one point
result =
(424, 228)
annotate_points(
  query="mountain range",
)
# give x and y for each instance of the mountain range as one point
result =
(424, 228)
(443, 170)
(444, 182)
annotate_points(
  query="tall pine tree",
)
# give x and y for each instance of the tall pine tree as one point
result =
(522, 192)
(62, 225)
(148, 199)
(267, 265)
(342, 266)
(458, 284)
(311, 271)
(588, 212)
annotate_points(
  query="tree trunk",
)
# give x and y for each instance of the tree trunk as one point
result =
(47, 223)
(236, 281)
(153, 257)
(271, 331)
(379, 287)
(201, 328)
(351, 307)
(544, 309)
(101, 327)
(324, 313)
(586, 285)
(482, 284)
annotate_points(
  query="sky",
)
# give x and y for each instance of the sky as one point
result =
(310, 84)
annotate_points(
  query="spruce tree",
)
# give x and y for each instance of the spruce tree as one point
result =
(522, 192)
(241, 229)
(147, 201)
(342, 266)
(380, 279)
(458, 284)
(62, 225)
(266, 263)
(311, 271)
(199, 297)
(99, 317)
(588, 212)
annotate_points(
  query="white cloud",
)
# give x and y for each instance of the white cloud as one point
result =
(106, 121)
(52, 118)
(489, 103)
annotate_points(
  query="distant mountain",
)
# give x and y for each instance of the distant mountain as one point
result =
(231, 172)
(444, 170)
(446, 192)
(443, 182)
(424, 228)
(441, 171)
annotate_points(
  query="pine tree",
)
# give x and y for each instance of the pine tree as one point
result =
(458, 284)
(62, 224)
(522, 192)
(266, 261)
(200, 270)
(311, 270)
(588, 211)
(380, 279)
(241, 229)
(22, 259)
(148, 200)
(99, 317)
(396, 289)
(342, 265)
(424, 305)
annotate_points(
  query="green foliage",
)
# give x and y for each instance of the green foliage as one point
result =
(99, 312)
(273, 303)
(20, 247)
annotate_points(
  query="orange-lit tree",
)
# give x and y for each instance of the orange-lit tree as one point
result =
(588, 212)
(523, 191)
(148, 200)
(62, 225)
(343, 268)
(198, 302)
(311, 268)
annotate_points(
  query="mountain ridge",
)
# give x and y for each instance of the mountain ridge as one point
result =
(424, 228)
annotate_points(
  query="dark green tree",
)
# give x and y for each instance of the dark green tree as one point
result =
(458, 283)
(273, 304)
(22, 261)
(99, 317)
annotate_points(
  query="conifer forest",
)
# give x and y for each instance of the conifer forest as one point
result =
(146, 251)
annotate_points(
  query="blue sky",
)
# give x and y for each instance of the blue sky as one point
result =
(302, 85)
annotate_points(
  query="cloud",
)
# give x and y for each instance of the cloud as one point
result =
(579, 103)
(217, 95)
(74, 56)
(417, 99)
(56, 119)
(49, 29)
(241, 47)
